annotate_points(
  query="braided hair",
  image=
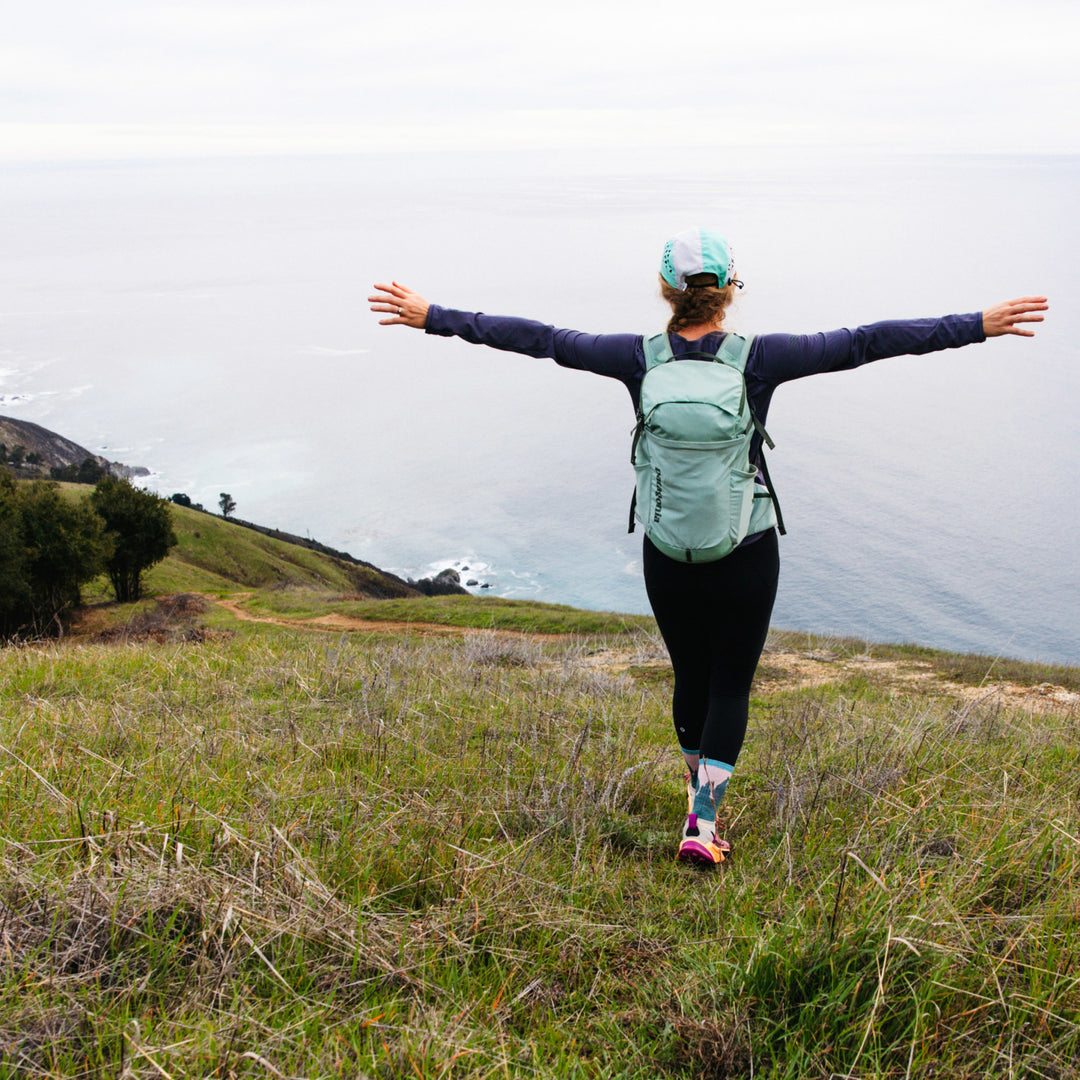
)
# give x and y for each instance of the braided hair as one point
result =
(702, 302)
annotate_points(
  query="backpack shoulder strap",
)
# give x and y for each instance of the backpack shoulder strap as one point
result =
(735, 349)
(657, 350)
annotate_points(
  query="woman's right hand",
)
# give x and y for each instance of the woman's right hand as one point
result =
(1003, 318)
(406, 307)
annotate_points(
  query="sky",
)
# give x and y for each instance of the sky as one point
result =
(138, 78)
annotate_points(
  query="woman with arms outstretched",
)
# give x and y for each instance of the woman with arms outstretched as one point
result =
(713, 614)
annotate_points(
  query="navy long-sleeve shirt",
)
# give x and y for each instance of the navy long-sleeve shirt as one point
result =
(773, 359)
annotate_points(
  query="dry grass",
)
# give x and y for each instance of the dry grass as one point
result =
(306, 855)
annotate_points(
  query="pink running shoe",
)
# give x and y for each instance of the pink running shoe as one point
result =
(701, 845)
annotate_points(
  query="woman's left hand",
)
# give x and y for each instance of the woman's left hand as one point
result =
(407, 308)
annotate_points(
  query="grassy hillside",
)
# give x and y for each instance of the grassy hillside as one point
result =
(220, 557)
(215, 555)
(267, 851)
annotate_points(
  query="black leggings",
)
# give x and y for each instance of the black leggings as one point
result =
(714, 618)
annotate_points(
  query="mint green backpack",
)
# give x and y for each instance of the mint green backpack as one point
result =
(697, 495)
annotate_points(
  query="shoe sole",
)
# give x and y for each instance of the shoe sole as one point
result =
(693, 852)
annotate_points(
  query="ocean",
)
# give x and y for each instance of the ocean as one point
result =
(208, 320)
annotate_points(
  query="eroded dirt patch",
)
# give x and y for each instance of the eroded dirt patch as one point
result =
(172, 619)
(787, 669)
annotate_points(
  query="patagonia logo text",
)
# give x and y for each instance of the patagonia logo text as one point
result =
(658, 502)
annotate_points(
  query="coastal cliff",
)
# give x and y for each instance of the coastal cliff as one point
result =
(55, 451)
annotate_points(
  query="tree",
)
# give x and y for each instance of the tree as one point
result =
(181, 499)
(91, 471)
(49, 547)
(227, 504)
(139, 525)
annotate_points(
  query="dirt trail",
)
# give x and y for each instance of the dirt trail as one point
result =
(336, 621)
(781, 668)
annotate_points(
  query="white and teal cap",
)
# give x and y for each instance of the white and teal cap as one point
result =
(696, 251)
